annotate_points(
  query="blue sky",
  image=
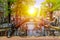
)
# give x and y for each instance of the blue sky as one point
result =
(38, 2)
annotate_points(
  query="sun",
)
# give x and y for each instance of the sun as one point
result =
(32, 11)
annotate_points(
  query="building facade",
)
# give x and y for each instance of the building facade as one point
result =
(3, 10)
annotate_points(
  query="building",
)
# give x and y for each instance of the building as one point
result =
(3, 10)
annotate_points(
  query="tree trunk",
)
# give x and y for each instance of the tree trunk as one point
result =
(51, 16)
(9, 13)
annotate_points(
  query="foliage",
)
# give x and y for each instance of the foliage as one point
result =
(21, 6)
(50, 6)
(55, 4)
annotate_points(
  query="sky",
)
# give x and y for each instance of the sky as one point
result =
(38, 3)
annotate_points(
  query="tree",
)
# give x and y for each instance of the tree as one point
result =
(10, 2)
(50, 6)
(21, 7)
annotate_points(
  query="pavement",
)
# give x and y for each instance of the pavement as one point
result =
(30, 38)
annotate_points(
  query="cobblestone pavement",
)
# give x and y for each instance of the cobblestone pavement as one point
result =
(30, 38)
